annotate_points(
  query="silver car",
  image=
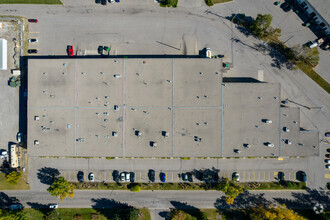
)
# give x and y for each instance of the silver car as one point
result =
(122, 177)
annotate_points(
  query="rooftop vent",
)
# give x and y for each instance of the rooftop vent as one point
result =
(165, 134)
(153, 144)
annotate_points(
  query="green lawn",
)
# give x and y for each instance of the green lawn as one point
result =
(86, 213)
(275, 186)
(20, 185)
(48, 2)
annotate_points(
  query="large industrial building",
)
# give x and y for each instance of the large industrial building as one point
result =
(127, 107)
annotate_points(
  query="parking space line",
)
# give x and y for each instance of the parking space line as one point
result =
(264, 176)
(105, 176)
(172, 176)
(259, 176)
(228, 174)
(34, 32)
(243, 176)
(224, 174)
(249, 176)
(290, 176)
(327, 176)
(269, 176)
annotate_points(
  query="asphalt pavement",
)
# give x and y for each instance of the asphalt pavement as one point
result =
(161, 201)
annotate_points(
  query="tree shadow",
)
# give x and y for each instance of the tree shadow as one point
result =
(189, 209)
(275, 51)
(47, 175)
(6, 201)
(207, 175)
(306, 200)
(112, 209)
(164, 214)
(44, 209)
(242, 201)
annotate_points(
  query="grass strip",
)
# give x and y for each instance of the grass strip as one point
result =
(288, 185)
(84, 213)
(46, 2)
(21, 185)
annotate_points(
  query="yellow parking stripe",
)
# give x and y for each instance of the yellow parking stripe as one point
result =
(249, 176)
(327, 176)
(34, 32)
(264, 176)
(280, 158)
(269, 176)
(254, 176)
(172, 176)
(244, 176)
(289, 176)
(105, 176)
(259, 176)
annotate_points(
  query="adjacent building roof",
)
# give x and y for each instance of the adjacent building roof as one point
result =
(3, 54)
(153, 108)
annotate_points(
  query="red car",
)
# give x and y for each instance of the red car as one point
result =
(33, 20)
(327, 155)
(69, 50)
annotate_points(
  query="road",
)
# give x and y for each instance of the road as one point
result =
(158, 201)
(135, 28)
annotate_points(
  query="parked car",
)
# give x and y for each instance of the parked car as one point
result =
(151, 175)
(327, 166)
(286, 6)
(30, 51)
(33, 20)
(162, 177)
(80, 176)
(115, 175)
(122, 177)
(128, 177)
(103, 2)
(14, 207)
(327, 134)
(280, 176)
(327, 161)
(190, 177)
(327, 155)
(33, 40)
(91, 177)
(100, 50)
(184, 177)
(53, 206)
(97, 1)
(302, 176)
(69, 50)
(236, 176)
(111, 1)
(269, 144)
(132, 179)
(19, 137)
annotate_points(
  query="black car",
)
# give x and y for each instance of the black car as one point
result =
(190, 177)
(185, 177)
(151, 175)
(103, 2)
(100, 50)
(97, 1)
(115, 175)
(280, 176)
(80, 176)
(301, 176)
(132, 177)
(32, 51)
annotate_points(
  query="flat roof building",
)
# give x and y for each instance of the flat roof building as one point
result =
(164, 107)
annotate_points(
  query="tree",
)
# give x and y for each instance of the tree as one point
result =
(13, 177)
(307, 54)
(261, 26)
(135, 188)
(12, 215)
(274, 213)
(131, 213)
(61, 188)
(229, 200)
(230, 189)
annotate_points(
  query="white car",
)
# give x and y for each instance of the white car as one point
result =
(33, 40)
(122, 177)
(269, 144)
(19, 137)
(327, 166)
(236, 176)
(53, 206)
(128, 177)
(327, 161)
(91, 177)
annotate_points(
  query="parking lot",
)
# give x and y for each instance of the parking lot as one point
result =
(174, 177)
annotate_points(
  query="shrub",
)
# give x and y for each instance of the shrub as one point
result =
(135, 188)
(13, 177)
(208, 2)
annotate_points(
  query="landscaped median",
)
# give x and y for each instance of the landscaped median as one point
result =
(288, 185)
